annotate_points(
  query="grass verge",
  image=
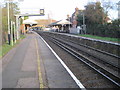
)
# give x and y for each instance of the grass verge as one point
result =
(117, 40)
(5, 48)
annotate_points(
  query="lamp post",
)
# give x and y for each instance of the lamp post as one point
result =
(8, 23)
(68, 18)
(14, 31)
(18, 23)
(11, 35)
(69, 23)
(17, 26)
(84, 26)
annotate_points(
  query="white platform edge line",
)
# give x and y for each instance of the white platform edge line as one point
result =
(68, 70)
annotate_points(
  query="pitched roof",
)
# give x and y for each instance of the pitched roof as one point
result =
(44, 21)
(29, 21)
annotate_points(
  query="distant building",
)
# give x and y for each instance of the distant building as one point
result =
(118, 9)
(108, 20)
(74, 16)
(44, 22)
(68, 17)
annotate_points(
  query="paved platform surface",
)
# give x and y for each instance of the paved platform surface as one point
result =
(31, 64)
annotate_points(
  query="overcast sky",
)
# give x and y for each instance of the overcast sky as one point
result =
(57, 9)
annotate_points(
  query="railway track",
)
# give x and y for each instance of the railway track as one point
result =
(99, 73)
(113, 58)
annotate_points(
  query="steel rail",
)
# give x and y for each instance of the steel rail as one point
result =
(91, 54)
(89, 46)
(110, 54)
(96, 50)
(90, 64)
(88, 53)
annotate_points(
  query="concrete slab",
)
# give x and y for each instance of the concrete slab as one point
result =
(22, 66)
(27, 82)
(22, 69)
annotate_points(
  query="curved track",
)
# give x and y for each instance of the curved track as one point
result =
(95, 67)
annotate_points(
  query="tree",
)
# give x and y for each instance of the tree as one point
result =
(108, 5)
(94, 13)
(4, 24)
(13, 10)
(95, 20)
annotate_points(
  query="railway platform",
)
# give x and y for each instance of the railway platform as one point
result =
(33, 64)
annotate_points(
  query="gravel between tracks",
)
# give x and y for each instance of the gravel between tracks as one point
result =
(80, 70)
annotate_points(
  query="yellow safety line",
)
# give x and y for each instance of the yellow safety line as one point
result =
(39, 70)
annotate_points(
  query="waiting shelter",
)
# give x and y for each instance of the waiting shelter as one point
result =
(27, 24)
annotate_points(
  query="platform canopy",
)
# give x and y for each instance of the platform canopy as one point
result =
(29, 21)
(64, 21)
(38, 26)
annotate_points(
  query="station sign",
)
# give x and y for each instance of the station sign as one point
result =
(42, 12)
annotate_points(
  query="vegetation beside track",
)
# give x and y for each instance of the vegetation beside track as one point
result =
(117, 40)
(5, 48)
